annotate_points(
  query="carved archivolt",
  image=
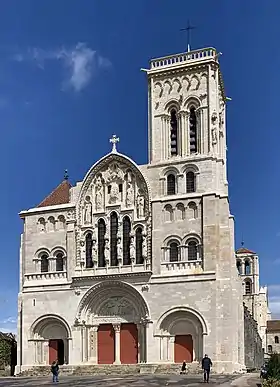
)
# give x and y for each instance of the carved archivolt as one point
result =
(114, 181)
(112, 299)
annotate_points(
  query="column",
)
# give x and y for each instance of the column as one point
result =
(187, 135)
(162, 137)
(183, 134)
(151, 344)
(242, 267)
(167, 137)
(164, 348)
(117, 329)
(93, 344)
(140, 342)
(84, 349)
(171, 348)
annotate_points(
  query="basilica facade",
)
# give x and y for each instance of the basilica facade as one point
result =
(136, 263)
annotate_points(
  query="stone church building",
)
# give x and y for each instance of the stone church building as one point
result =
(136, 263)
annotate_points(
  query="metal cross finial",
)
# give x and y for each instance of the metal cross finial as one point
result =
(114, 140)
(188, 29)
(66, 176)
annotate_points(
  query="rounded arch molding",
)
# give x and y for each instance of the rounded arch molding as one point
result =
(105, 162)
(41, 321)
(97, 294)
(182, 309)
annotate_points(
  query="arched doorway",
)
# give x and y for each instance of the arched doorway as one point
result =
(50, 336)
(114, 312)
(180, 331)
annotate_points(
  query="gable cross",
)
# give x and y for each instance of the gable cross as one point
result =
(114, 140)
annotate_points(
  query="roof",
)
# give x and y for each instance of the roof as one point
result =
(243, 250)
(60, 195)
(273, 326)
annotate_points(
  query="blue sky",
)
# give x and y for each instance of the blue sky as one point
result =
(70, 78)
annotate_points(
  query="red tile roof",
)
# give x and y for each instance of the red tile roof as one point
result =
(273, 326)
(60, 195)
(243, 250)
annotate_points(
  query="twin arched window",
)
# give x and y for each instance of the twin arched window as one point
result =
(247, 268)
(193, 252)
(59, 262)
(172, 183)
(193, 131)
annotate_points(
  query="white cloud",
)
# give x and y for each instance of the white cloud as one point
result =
(80, 62)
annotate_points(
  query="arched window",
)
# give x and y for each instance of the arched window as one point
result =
(59, 262)
(248, 287)
(44, 263)
(101, 242)
(276, 340)
(193, 210)
(171, 184)
(269, 348)
(174, 251)
(239, 267)
(173, 133)
(193, 130)
(89, 262)
(190, 182)
(126, 240)
(192, 250)
(114, 239)
(247, 268)
(139, 246)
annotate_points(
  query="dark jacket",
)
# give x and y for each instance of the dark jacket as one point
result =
(55, 369)
(206, 363)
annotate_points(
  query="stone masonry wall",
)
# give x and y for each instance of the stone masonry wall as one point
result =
(254, 355)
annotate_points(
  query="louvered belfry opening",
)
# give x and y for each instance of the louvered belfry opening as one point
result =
(174, 133)
(193, 130)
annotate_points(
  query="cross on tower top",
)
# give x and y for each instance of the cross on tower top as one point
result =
(114, 140)
(188, 29)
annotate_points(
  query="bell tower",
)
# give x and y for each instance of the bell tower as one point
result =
(186, 107)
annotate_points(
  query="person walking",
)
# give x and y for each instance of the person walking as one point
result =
(184, 368)
(206, 366)
(54, 371)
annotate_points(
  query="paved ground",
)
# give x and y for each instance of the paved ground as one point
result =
(131, 381)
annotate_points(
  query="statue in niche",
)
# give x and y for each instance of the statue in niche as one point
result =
(119, 249)
(99, 194)
(129, 195)
(107, 251)
(132, 247)
(140, 206)
(114, 192)
(214, 136)
(144, 246)
(94, 250)
(129, 176)
(88, 211)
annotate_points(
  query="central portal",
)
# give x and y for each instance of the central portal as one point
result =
(107, 343)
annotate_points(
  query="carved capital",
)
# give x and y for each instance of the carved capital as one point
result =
(117, 327)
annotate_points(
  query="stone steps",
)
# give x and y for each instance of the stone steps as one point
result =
(113, 369)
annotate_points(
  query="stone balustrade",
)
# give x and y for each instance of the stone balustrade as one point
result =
(182, 267)
(57, 275)
(171, 60)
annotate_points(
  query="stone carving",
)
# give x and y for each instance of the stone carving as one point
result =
(144, 246)
(83, 251)
(99, 192)
(107, 251)
(71, 215)
(132, 247)
(140, 206)
(88, 211)
(129, 195)
(117, 306)
(214, 118)
(119, 249)
(94, 251)
(214, 136)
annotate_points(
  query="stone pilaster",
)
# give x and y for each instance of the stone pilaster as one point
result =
(117, 329)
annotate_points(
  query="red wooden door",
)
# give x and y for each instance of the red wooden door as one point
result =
(183, 348)
(129, 344)
(106, 344)
(53, 349)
